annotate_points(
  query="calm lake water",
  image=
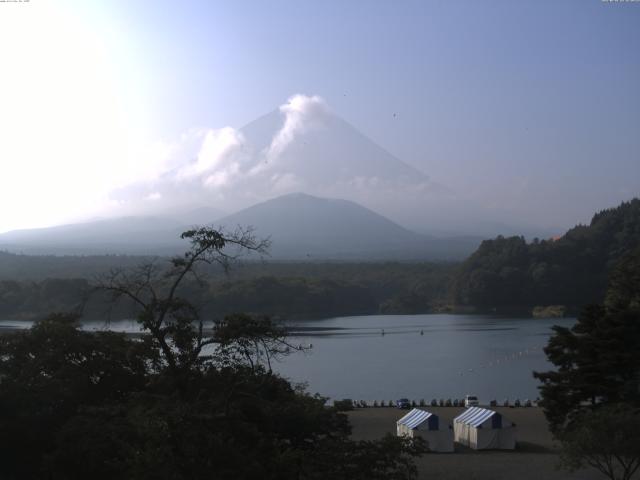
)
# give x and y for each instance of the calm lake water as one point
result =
(455, 355)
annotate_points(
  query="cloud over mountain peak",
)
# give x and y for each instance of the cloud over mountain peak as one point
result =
(302, 113)
(301, 146)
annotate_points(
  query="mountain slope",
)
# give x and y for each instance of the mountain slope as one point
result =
(306, 227)
(302, 227)
(326, 152)
(125, 235)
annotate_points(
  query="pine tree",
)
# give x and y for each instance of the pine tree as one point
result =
(598, 359)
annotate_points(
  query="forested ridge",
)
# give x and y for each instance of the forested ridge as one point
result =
(571, 270)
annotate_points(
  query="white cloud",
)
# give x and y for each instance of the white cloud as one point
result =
(223, 177)
(216, 148)
(302, 113)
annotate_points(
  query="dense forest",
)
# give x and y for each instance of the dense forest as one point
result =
(571, 270)
(503, 274)
(285, 290)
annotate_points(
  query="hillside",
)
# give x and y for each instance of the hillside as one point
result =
(125, 235)
(306, 227)
(571, 270)
(301, 227)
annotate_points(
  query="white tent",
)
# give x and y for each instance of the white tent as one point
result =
(419, 423)
(483, 429)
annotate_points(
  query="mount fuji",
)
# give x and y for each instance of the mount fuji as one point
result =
(259, 171)
(301, 147)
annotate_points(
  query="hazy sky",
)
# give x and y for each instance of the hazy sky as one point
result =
(530, 105)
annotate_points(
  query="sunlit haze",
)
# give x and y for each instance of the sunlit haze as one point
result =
(526, 115)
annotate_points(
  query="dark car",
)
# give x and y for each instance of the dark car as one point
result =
(403, 403)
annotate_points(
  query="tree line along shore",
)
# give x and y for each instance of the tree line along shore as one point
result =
(508, 275)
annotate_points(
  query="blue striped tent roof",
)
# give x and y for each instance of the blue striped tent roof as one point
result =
(414, 418)
(474, 416)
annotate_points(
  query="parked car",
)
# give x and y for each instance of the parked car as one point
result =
(403, 403)
(471, 401)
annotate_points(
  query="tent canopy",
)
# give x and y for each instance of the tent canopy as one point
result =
(417, 418)
(476, 416)
(480, 428)
(425, 425)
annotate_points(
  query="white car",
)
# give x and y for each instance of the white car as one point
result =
(471, 401)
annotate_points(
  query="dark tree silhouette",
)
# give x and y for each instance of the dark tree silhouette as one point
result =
(173, 322)
(607, 439)
(592, 399)
(597, 360)
(77, 404)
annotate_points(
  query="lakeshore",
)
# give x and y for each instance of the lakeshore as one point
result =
(536, 456)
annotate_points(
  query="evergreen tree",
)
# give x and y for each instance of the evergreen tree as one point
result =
(598, 359)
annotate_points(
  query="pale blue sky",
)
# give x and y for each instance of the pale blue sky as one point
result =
(483, 91)
(535, 104)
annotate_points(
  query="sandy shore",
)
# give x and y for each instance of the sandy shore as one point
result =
(535, 458)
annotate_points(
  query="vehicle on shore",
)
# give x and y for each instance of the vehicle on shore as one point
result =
(471, 401)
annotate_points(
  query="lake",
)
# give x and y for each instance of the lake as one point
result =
(455, 355)
(384, 357)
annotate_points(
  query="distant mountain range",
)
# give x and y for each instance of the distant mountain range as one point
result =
(301, 227)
